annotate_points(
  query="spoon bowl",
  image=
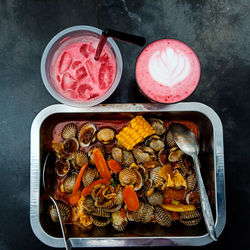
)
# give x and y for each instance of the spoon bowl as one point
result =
(186, 141)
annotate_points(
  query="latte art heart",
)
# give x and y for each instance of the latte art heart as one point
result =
(169, 66)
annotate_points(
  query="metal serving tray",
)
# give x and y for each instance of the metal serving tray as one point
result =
(211, 157)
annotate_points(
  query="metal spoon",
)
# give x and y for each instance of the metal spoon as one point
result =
(49, 184)
(186, 141)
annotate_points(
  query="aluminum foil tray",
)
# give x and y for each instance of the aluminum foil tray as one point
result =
(211, 157)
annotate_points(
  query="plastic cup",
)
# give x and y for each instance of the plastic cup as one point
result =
(54, 48)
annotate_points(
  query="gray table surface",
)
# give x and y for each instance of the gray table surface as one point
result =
(218, 30)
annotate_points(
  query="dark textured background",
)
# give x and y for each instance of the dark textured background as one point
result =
(218, 30)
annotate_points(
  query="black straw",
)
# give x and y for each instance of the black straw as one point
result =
(122, 36)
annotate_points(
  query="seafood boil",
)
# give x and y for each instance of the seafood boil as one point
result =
(119, 175)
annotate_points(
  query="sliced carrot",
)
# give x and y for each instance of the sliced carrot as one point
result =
(130, 198)
(87, 190)
(178, 208)
(73, 199)
(115, 166)
(101, 164)
(78, 179)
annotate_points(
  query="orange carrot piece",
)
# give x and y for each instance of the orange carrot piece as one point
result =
(130, 198)
(87, 190)
(101, 164)
(78, 179)
(115, 166)
(73, 199)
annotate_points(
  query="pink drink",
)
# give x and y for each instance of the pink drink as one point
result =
(78, 76)
(167, 71)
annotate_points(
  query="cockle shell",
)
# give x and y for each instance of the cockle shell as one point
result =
(87, 204)
(158, 126)
(69, 182)
(70, 146)
(156, 198)
(118, 221)
(79, 158)
(185, 165)
(175, 154)
(162, 156)
(127, 177)
(100, 221)
(144, 154)
(144, 213)
(86, 134)
(89, 176)
(69, 131)
(100, 212)
(170, 139)
(155, 142)
(162, 216)
(64, 210)
(154, 176)
(190, 218)
(105, 135)
(191, 182)
(62, 167)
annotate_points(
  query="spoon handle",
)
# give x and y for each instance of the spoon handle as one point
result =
(205, 205)
(66, 239)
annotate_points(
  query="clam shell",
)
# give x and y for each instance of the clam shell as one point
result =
(175, 154)
(170, 139)
(62, 167)
(90, 154)
(158, 126)
(144, 213)
(162, 156)
(127, 158)
(162, 216)
(87, 204)
(100, 221)
(69, 182)
(155, 142)
(100, 212)
(69, 131)
(86, 134)
(105, 204)
(190, 218)
(64, 210)
(70, 146)
(118, 222)
(156, 198)
(117, 154)
(144, 154)
(105, 135)
(113, 209)
(89, 176)
(184, 165)
(154, 176)
(119, 197)
(127, 177)
(139, 181)
(79, 158)
(191, 182)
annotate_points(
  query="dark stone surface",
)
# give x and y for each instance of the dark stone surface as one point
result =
(217, 30)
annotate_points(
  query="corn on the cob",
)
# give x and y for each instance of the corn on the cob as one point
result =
(135, 132)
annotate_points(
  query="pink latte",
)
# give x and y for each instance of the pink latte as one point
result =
(167, 71)
(78, 76)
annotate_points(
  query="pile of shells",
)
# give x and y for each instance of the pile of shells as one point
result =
(145, 169)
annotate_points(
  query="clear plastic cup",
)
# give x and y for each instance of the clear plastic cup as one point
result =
(54, 48)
